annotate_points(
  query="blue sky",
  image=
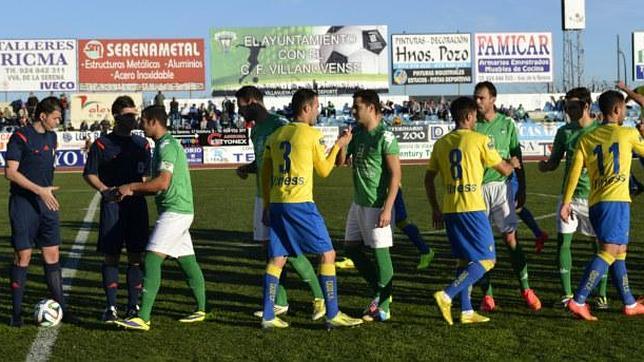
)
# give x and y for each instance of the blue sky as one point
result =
(189, 18)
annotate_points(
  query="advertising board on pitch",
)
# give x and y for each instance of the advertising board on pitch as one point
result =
(141, 64)
(431, 59)
(513, 57)
(38, 65)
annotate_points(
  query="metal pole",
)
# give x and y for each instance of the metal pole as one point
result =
(618, 78)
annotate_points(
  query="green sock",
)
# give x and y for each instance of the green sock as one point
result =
(519, 265)
(603, 283)
(151, 284)
(564, 242)
(385, 276)
(486, 285)
(195, 279)
(281, 298)
(364, 265)
(306, 272)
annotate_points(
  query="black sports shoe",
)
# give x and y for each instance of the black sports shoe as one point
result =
(16, 322)
(110, 315)
(132, 311)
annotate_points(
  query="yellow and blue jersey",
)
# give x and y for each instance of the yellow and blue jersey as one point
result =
(294, 151)
(606, 153)
(461, 157)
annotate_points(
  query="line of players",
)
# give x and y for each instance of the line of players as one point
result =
(471, 164)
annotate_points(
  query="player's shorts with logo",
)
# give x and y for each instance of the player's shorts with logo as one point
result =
(578, 221)
(32, 223)
(500, 206)
(611, 221)
(362, 224)
(124, 222)
(296, 229)
(171, 235)
(470, 235)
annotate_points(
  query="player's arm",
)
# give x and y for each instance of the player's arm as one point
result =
(265, 178)
(90, 172)
(430, 190)
(638, 98)
(393, 165)
(558, 151)
(244, 170)
(15, 149)
(159, 183)
(638, 142)
(324, 164)
(344, 154)
(570, 183)
(515, 151)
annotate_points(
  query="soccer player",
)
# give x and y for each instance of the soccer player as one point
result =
(607, 154)
(33, 207)
(498, 194)
(376, 177)
(292, 153)
(460, 158)
(577, 106)
(250, 101)
(171, 184)
(116, 159)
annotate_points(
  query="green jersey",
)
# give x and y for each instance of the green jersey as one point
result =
(503, 133)
(371, 176)
(259, 134)
(566, 142)
(169, 156)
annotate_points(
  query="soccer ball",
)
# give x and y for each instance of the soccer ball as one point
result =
(47, 313)
(367, 48)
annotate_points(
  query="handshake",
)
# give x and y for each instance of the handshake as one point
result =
(115, 194)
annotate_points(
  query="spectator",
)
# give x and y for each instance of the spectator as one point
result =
(95, 126)
(159, 99)
(185, 114)
(84, 126)
(32, 102)
(204, 122)
(174, 112)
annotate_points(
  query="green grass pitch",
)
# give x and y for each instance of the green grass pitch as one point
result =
(233, 266)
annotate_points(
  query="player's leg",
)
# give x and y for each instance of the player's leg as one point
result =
(110, 242)
(354, 248)
(564, 259)
(110, 274)
(540, 235)
(196, 282)
(601, 301)
(48, 239)
(271, 282)
(412, 232)
(134, 275)
(136, 237)
(24, 220)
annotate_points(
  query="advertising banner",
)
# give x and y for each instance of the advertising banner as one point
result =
(75, 140)
(232, 155)
(226, 137)
(38, 65)
(638, 56)
(141, 64)
(194, 155)
(514, 57)
(431, 59)
(408, 134)
(91, 107)
(329, 59)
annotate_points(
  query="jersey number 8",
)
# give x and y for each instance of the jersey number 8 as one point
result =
(455, 158)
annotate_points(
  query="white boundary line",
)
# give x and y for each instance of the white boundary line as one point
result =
(46, 338)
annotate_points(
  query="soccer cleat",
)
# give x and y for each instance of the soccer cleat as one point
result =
(378, 315)
(488, 304)
(564, 301)
(540, 242)
(531, 299)
(637, 309)
(601, 303)
(342, 320)
(277, 309)
(274, 323)
(132, 311)
(444, 305)
(16, 322)
(346, 263)
(319, 309)
(640, 300)
(109, 315)
(136, 324)
(470, 318)
(425, 260)
(581, 311)
(198, 316)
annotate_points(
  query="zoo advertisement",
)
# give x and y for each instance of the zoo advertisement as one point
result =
(329, 59)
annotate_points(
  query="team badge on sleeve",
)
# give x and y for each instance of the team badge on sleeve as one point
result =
(166, 166)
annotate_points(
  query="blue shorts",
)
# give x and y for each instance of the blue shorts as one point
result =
(32, 223)
(470, 235)
(514, 183)
(297, 229)
(124, 222)
(611, 221)
(400, 212)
